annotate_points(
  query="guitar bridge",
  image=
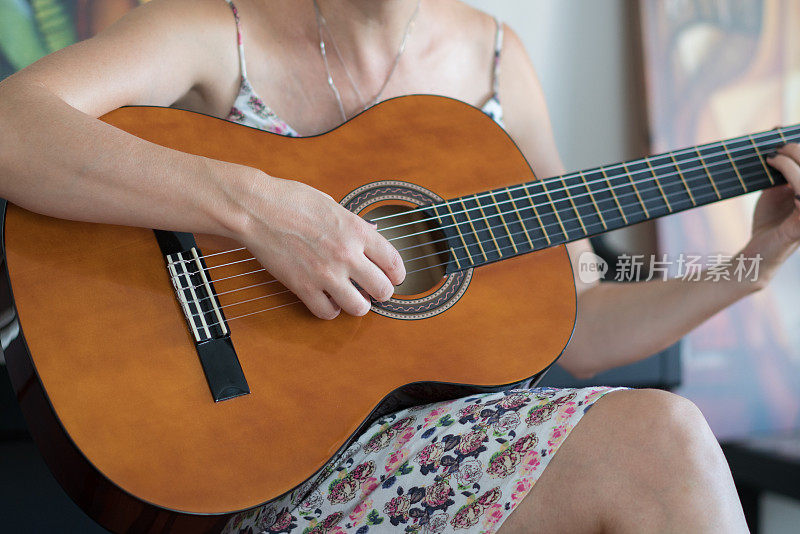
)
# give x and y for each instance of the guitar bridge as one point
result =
(195, 293)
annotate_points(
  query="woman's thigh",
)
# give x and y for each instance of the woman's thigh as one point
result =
(639, 460)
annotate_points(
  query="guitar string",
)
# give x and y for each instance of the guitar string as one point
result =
(529, 198)
(726, 151)
(708, 195)
(583, 185)
(556, 211)
(544, 227)
(552, 203)
(300, 301)
(470, 256)
(723, 144)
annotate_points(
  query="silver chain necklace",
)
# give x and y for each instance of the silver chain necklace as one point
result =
(322, 23)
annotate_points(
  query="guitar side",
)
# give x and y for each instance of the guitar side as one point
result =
(108, 377)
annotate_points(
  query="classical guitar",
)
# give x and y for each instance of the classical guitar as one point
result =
(171, 382)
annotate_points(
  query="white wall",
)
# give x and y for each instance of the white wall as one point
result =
(579, 49)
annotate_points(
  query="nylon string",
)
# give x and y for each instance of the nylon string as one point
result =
(730, 188)
(583, 185)
(555, 209)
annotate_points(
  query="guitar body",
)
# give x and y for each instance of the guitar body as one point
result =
(107, 372)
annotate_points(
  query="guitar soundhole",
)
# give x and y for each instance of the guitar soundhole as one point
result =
(432, 285)
(420, 243)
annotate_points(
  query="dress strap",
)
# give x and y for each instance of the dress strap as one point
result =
(242, 65)
(498, 48)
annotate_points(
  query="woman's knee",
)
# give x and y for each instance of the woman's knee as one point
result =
(662, 424)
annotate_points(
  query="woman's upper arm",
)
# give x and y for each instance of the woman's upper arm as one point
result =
(154, 55)
(528, 122)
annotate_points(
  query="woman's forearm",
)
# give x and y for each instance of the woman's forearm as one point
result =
(58, 161)
(620, 323)
(61, 162)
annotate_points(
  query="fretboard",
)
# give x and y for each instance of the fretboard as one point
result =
(502, 223)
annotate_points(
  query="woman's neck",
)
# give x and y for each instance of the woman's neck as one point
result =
(367, 30)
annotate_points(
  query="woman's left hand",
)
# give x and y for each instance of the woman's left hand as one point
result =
(776, 220)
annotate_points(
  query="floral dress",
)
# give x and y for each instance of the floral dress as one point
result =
(454, 466)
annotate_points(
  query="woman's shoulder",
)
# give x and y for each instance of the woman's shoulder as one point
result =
(154, 55)
(183, 14)
(466, 23)
(520, 93)
(197, 38)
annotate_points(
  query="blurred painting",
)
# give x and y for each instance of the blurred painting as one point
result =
(717, 69)
(30, 29)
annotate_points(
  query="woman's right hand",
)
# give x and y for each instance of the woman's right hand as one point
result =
(315, 247)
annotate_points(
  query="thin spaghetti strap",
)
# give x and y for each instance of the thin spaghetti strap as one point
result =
(498, 48)
(242, 65)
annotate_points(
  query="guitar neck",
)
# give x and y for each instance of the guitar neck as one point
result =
(502, 223)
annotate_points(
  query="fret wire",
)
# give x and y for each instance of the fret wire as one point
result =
(655, 178)
(761, 159)
(594, 224)
(603, 197)
(474, 231)
(691, 197)
(535, 210)
(705, 168)
(298, 301)
(452, 215)
(702, 196)
(503, 220)
(610, 209)
(722, 170)
(611, 188)
(787, 129)
(574, 207)
(735, 167)
(544, 226)
(591, 196)
(550, 199)
(513, 203)
(721, 144)
(486, 222)
(695, 174)
(658, 183)
(451, 249)
(518, 215)
(441, 224)
(630, 179)
(613, 194)
(455, 256)
(709, 195)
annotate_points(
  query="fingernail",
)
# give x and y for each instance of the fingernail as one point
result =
(772, 155)
(779, 146)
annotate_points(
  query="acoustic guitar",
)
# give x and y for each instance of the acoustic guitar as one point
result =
(170, 382)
